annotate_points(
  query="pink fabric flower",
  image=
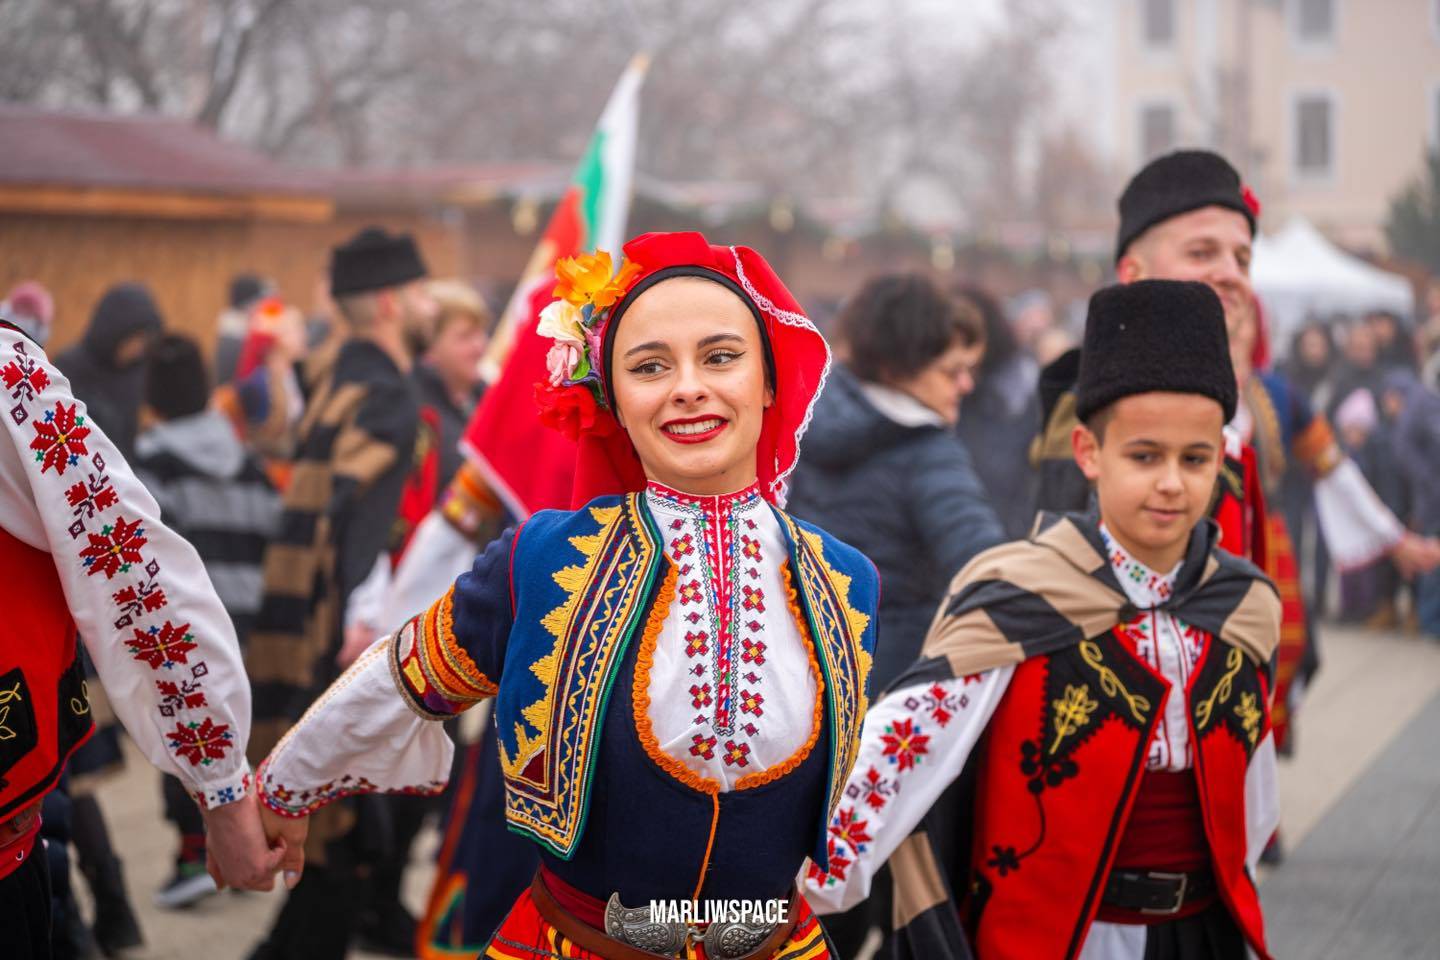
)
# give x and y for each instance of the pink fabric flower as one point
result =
(561, 361)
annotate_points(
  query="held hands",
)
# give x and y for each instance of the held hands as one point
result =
(287, 834)
(237, 853)
(1415, 555)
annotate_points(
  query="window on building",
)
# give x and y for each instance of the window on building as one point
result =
(1313, 21)
(1158, 29)
(1157, 130)
(1314, 135)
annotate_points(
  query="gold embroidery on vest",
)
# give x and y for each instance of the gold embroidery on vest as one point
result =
(1109, 682)
(6, 696)
(1072, 713)
(81, 704)
(1234, 660)
(1249, 714)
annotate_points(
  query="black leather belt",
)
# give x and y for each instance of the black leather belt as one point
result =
(1157, 892)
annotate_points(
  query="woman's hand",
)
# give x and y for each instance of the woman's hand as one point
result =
(237, 854)
(287, 834)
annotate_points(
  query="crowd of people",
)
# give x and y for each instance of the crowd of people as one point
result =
(271, 492)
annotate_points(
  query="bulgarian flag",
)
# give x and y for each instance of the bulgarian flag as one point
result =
(525, 465)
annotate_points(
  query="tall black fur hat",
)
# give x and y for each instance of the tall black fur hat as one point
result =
(373, 260)
(1178, 183)
(1154, 335)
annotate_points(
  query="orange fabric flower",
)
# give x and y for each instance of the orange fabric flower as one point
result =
(586, 279)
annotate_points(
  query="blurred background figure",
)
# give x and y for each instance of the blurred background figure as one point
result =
(246, 290)
(1414, 411)
(883, 467)
(106, 369)
(998, 419)
(447, 377)
(216, 495)
(31, 308)
(265, 399)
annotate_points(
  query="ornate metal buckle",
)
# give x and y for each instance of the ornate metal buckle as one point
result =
(1179, 892)
(722, 940)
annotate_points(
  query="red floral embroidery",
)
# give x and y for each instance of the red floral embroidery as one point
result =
(702, 746)
(752, 651)
(873, 790)
(689, 592)
(753, 598)
(683, 546)
(184, 695)
(751, 702)
(163, 646)
(201, 743)
(905, 745)
(59, 438)
(846, 829)
(24, 376)
(737, 754)
(751, 548)
(700, 695)
(696, 643)
(92, 495)
(114, 548)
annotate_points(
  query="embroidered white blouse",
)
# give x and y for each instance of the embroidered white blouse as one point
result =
(154, 627)
(732, 690)
(733, 685)
(917, 739)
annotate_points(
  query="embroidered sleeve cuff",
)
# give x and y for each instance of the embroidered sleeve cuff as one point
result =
(295, 802)
(433, 672)
(218, 794)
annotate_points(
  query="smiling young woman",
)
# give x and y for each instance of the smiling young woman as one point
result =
(679, 666)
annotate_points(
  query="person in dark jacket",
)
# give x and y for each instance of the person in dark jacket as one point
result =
(1001, 417)
(216, 495)
(883, 468)
(106, 369)
(1415, 439)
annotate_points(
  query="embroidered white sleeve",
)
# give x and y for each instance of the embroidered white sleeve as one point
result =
(914, 744)
(360, 736)
(366, 603)
(1358, 528)
(437, 554)
(138, 593)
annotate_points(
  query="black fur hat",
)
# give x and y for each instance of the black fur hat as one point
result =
(1154, 335)
(1178, 183)
(373, 260)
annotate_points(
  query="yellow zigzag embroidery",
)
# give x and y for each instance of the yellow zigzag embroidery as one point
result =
(856, 620)
(572, 580)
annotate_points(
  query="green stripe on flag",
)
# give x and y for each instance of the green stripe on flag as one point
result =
(590, 178)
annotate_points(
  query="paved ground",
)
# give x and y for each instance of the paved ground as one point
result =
(1361, 801)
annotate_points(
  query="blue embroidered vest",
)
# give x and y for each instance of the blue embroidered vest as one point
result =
(584, 583)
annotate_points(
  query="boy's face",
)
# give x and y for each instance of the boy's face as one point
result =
(1155, 470)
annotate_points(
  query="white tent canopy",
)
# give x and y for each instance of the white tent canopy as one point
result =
(1299, 275)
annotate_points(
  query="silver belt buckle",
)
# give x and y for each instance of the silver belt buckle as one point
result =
(1173, 908)
(723, 941)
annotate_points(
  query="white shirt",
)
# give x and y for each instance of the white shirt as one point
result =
(139, 595)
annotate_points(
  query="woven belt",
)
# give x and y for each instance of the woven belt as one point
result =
(1157, 892)
(630, 934)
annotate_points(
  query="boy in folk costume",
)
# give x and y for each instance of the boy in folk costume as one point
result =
(1080, 763)
(84, 556)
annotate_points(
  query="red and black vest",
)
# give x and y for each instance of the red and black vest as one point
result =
(44, 709)
(1065, 755)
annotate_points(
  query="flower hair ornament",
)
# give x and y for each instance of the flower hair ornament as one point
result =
(587, 288)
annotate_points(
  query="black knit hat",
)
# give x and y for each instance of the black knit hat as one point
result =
(177, 383)
(1178, 183)
(373, 260)
(1154, 335)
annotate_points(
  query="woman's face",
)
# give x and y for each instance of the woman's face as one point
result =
(946, 380)
(689, 380)
(1314, 347)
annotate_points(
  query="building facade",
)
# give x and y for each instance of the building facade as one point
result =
(1327, 106)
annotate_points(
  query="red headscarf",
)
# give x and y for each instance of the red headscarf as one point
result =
(607, 463)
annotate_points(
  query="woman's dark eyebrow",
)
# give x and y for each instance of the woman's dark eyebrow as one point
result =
(719, 338)
(651, 345)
